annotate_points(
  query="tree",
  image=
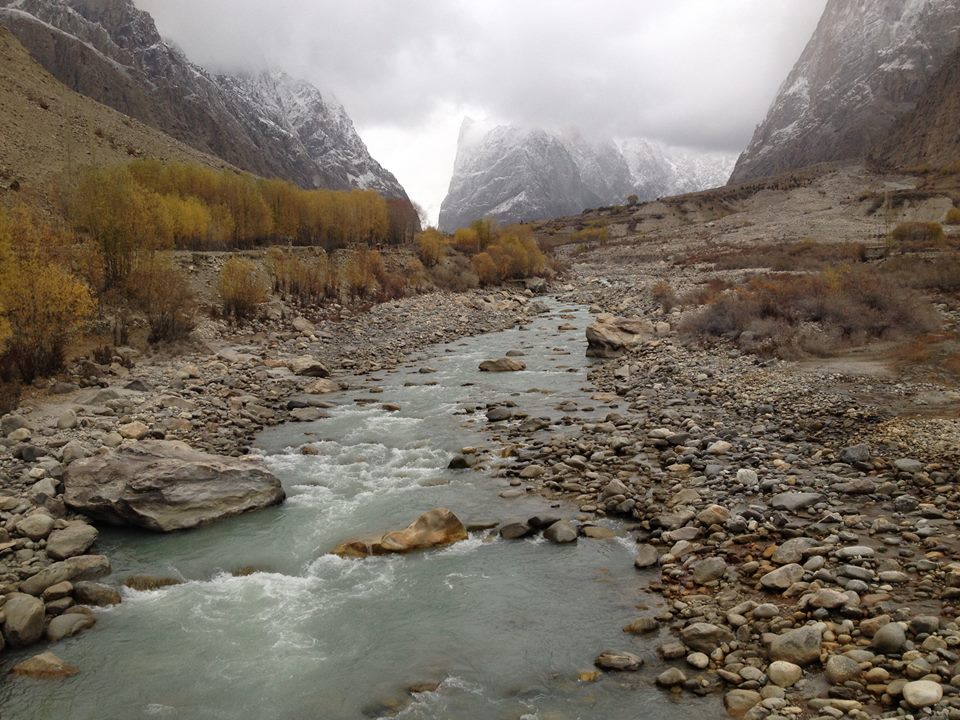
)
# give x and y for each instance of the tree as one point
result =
(485, 268)
(242, 288)
(431, 246)
(467, 240)
(44, 304)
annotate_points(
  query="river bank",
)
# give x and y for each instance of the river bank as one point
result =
(215, 396)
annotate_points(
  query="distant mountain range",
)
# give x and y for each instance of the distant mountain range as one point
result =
(869, 64)
(510, 173)
(268, 123)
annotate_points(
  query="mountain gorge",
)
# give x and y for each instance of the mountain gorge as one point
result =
(867, 66)
(267, 123)
(510, 173)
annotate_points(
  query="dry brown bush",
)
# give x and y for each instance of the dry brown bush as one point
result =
(917, 236)
(664, 295)
(786, 314)
(163, 294)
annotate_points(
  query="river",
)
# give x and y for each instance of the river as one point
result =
(268, 625)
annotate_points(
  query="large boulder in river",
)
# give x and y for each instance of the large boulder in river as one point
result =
(610, 336)
(434, 528)
(505, 364)
(167, 485)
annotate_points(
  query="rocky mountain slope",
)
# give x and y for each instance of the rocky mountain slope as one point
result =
(866, 66)
(510, 173)
(930, 135)
(269, 124)
(48, 132)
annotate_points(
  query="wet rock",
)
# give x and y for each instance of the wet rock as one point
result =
(435, 528)
(23, 623)
(618, 660)
(166, 486)
(503, 365)
(705, 637)
(68, 625)
(95, 594)
(671, 677)
(499, 414)
(45, 666)
(516, 531)
(642, 626)
(561, 532)
(75, 539)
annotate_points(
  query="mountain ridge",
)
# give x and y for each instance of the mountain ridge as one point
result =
(112, 52)
(866, 65)
(511, 173)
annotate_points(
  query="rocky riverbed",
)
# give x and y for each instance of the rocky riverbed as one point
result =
(799, 527)
(125, 419)
(808, 554)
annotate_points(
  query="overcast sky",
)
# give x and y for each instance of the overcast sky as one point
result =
(697, 73)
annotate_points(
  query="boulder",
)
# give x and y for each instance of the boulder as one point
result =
(308, 367)
(75, 539)
(45, 666)
(23, 624)
(503, 365)
(95, 594)
(618, 660)
(321, 386)
(68, 625)
(435, 528)
(609, 336)
(890, 639)
(647, 556)
(167, 485)
(840, 669)
(81, 567)
(561, 532)
(36, 526)
(739, 702)
(709, 569)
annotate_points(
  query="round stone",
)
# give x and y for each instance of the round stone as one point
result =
(922, 693)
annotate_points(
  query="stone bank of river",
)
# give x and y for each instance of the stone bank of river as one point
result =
(502, 626)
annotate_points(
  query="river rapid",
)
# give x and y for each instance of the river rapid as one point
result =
(266, 624)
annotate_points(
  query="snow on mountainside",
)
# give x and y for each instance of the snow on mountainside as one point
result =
(511, 174)
(267, 123)
(866, 66)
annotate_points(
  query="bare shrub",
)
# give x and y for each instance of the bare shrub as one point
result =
(242, 288)
(916, 236)
(664, 295)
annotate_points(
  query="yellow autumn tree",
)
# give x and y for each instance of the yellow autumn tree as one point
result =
(242, 288)
(431, 246)
(44, 304)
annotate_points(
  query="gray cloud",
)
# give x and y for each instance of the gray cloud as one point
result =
(689, 72)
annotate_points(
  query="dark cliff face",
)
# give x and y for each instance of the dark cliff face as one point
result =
(866, 66)
(268, 123)
(929, 135)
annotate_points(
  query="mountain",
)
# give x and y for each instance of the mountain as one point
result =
(267, 123)
(866, 66)
(930, 134)
(510, 173)
(48, 131)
